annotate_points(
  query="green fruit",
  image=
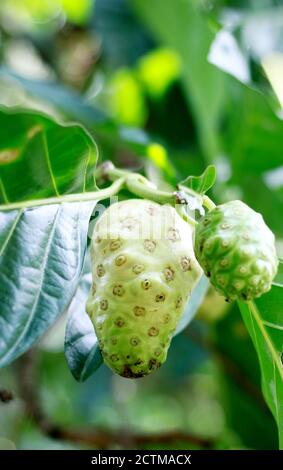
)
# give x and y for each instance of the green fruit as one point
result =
(236, 251)
(144, 269)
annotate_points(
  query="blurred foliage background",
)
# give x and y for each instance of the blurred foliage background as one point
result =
(168, 87)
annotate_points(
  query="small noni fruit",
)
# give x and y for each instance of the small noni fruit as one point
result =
(236, 251)
(144, 269)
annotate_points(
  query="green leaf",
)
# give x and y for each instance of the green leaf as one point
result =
(201, 184)
(243, 403)
(278, 281)
(254, 134)
(40, 158)
(65, 100)
(264, 321)
(193, 304)
(41, 256)
(41, 248)
(81, 345)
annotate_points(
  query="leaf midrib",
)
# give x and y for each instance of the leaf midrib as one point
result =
(254, 311)
(45, 258)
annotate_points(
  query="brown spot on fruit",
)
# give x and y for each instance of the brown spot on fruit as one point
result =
(151, 210)
(179, 302)
(113, 341)
(153, 364)
(129, 374)
(100, 270)
(98, 239)
(115, 245)
(149, 245)
(138, 268)
(104, 304)
(93, 288)
(118, 290)
(139, 311)
(157, 352)
(146, 284)
(153, 331)
(120, 260)
(114, 357)
(119, 322)
(186, 264)
(160, 297)
(167, 318)
(174, 235)
(134, 341)
(169, 274)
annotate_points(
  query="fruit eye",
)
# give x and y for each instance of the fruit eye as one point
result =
(179, 302)
(169, 274)
(186, 264)
(138, 268)
(104, 304)
(139, 311)
(100, 270)
(121, 259)
(115, 245)
(119, 322)
(150, 245)
(153, 331)
(146, 284)
(160, 298)
(134, 341)
(174, 235)
(118, 290)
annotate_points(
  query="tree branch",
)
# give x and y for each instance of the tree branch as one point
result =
(99, 438)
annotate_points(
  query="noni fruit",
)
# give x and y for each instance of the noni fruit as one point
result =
(144, 269)
(236, 251)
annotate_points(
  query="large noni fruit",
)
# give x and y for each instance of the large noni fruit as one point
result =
(144, 270)
(236, 250)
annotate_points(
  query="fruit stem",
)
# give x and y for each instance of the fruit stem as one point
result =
(136, 184)
(185, 216)
(208, 203)
(112, 190)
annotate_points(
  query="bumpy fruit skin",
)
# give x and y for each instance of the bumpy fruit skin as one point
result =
(236, 251)
(144, 269)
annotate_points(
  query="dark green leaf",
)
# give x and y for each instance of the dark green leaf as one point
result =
(40, 158)
(245, 410)
(254, 135)
(201, 184)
